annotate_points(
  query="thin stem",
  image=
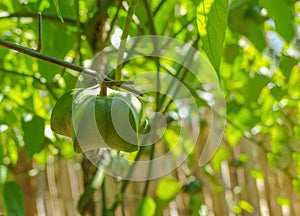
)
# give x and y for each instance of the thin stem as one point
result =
(124, 37)
(158, 104)
(155, 46)
(188, 56)
(150, 17)
(112, 24)
(182, 28)
(29, 174)
(175, 92)
(118, 83)
(123, 208)
(135, 19)
(67, 20)
(103, 191)
(158, 7)
(39, 21)
(146, 187)
(36, 54)
(34, 78)
(62, 63)
(250, 138)
(21, 106)
(126, 182)
(79, 31)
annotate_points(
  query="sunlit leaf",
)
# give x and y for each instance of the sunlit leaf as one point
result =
(233, 135)
(283, 201)
(212, 20)
(56, 3)
(147, 207)
(221, 155)
(257, 174)
(3, 173)
(167, 189)
(246, 206)
(253, 88)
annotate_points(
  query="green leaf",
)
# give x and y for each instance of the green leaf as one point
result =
(278, 93)
(195, 204)
(178, 141)
(193, 186)
(233, 135)
(244, 119)
(56, 4)
(253, 87)
(59, 42)
(286, 65)
(221, 155)
(3, 173)
(283, 201)
(242, 20)
(147, 207)
(246, 206)
(283, 14)
(33, 134)
(167, 189)
(14, 199)
(212, 21)
(257, 174)
(231, 52)
(12, 151)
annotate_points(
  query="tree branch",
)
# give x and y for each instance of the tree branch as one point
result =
(65, 64)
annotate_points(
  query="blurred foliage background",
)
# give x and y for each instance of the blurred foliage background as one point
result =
(252, 44)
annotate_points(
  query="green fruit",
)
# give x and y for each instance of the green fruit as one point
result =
(61, 117)
(96, 121)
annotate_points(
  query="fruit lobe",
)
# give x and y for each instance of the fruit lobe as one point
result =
(96, 121)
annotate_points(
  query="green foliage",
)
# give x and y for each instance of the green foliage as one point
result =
(166, 191)
(283, 201)
(245, 18)
(283, 16)
(56, 4)
(246, 206)
(212, 22)
(253, 46)
(33, 134)
(147, 207)
(14, 199)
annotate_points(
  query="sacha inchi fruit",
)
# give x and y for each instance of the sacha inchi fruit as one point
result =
(94, 121)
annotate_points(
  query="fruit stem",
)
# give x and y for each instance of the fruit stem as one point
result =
(103, 91)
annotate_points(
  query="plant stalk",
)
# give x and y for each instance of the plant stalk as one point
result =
(124, 37)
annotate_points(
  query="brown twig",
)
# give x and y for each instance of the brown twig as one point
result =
(65, 64)
(39, 21)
